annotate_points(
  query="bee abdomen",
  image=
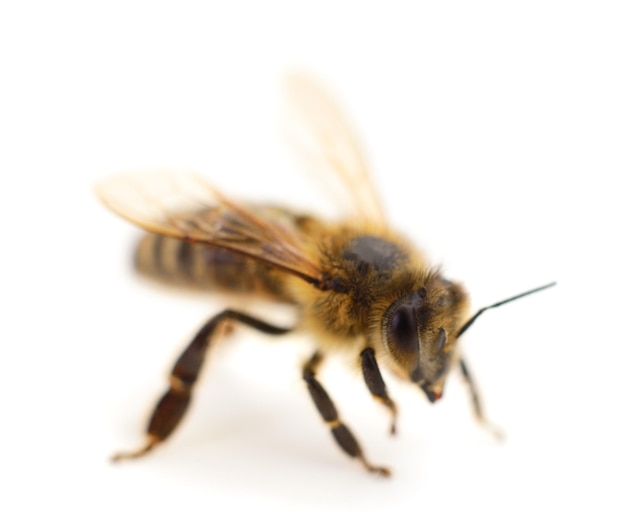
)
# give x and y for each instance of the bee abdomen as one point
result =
(177, 262)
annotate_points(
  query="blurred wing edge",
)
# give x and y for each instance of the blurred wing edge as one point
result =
(324, 138)
(183, 205)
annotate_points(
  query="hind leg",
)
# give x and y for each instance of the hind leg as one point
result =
(173, 405)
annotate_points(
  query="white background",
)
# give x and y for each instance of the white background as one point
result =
(496, 131)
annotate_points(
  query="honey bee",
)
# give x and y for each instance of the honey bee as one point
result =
(357, 285)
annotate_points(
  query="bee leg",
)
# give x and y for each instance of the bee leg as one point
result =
(171, 408)
(376, 384)
(476, 403)
(342, 434)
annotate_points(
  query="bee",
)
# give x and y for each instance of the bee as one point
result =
(358, 286)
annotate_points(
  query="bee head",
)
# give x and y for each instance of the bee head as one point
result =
(419, 332)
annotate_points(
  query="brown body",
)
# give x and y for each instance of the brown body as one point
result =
(371, 269)
(359, 287)
(176, 262)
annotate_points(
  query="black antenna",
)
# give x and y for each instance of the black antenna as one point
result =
(469, 322)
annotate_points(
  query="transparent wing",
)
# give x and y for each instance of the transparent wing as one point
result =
(327, 142)
(185, 206)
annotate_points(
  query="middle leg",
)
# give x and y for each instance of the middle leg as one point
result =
(341, 433)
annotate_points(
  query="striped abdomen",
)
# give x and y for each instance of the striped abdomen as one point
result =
(180, 263)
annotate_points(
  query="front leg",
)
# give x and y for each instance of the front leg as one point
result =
(376, 384)
(341, 433)
(476, 403)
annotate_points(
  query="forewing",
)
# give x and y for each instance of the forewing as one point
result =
(327, 142)
(185, 206)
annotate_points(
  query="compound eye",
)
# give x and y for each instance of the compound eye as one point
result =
(404, 329)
